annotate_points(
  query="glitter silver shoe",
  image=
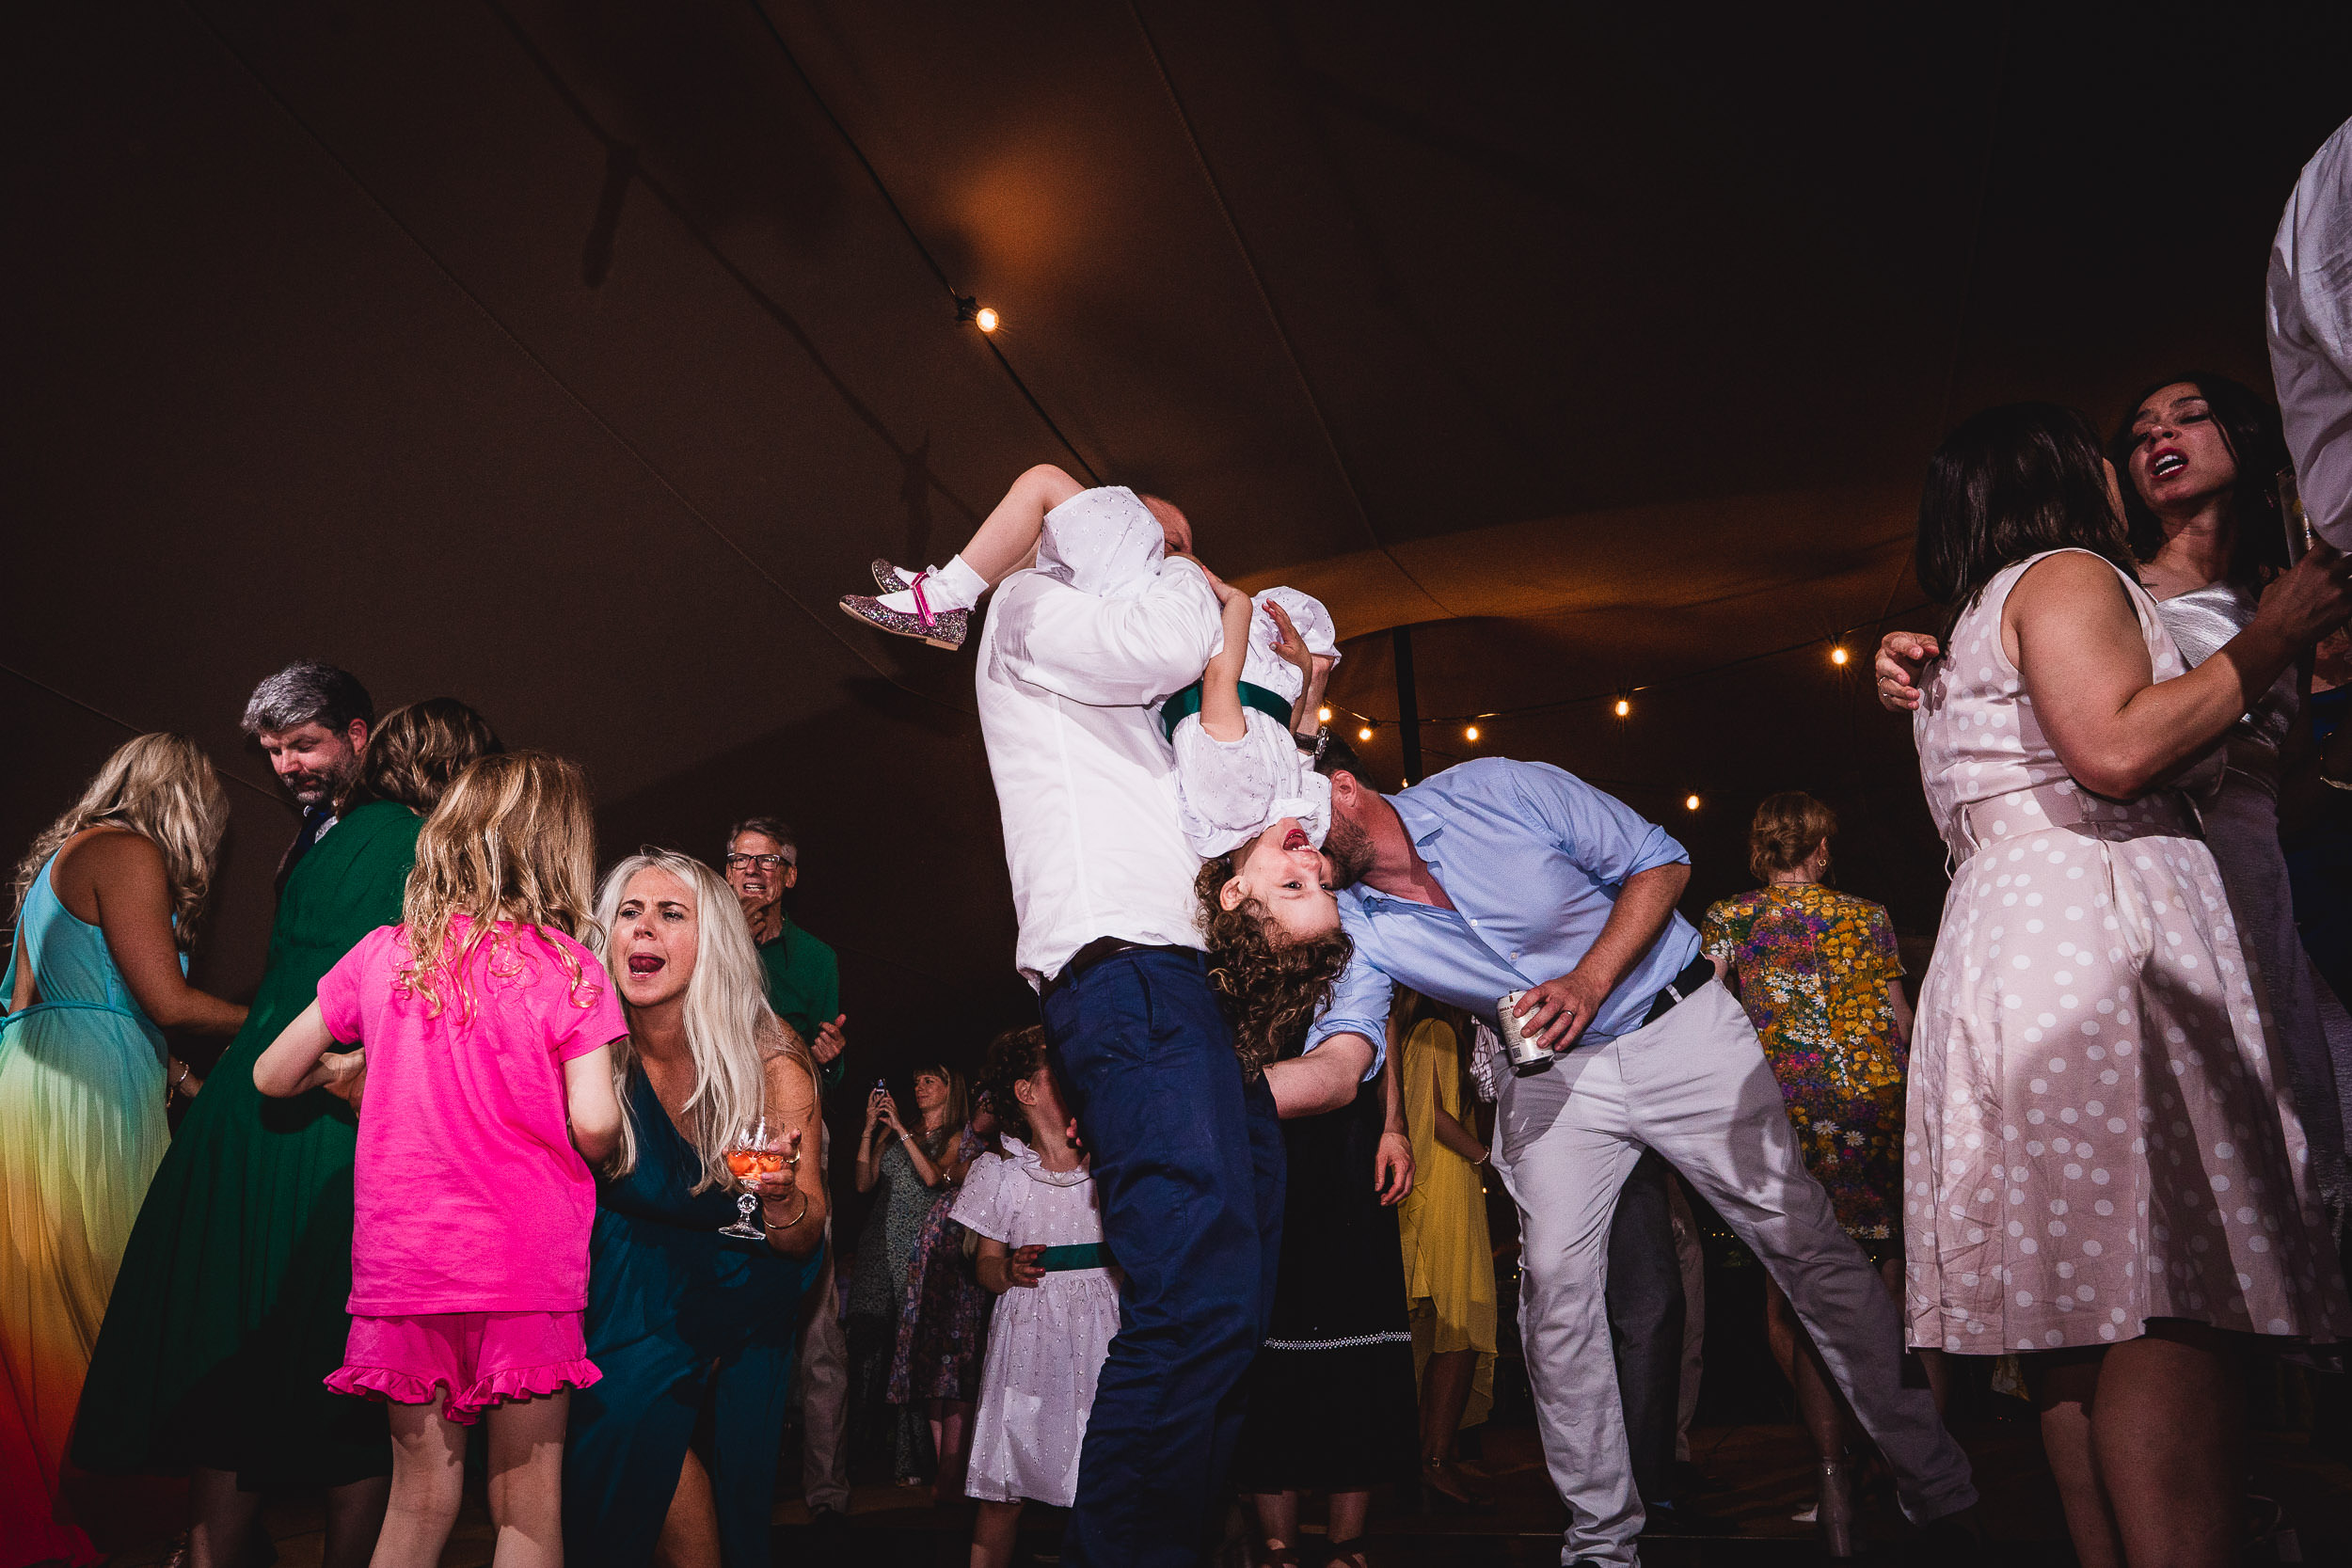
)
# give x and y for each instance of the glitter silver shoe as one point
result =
(941, 629)
(889, 579)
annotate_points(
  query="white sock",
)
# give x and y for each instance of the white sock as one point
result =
(954, 586)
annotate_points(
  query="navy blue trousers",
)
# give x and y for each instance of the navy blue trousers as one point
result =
(1188, 1161)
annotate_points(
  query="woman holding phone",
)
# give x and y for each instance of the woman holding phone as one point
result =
(908, 1167)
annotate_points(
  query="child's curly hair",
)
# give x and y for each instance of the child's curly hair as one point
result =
(1013, 1057)
(1271, 988)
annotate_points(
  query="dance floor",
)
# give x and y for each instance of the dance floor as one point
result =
(1759, 1476)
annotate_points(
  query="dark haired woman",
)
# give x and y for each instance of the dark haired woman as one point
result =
(230, 1312)
(1817, 973)
(2106, 1174)
(1330, 1397)
(943, 1314)
(910, 1168)
(2196, 457)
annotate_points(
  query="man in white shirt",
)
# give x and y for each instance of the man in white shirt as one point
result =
(2311, 334)
(1186, 1157)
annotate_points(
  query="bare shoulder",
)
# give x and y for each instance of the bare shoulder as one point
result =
(791, 1075)
(2069, 578)
(109, 855)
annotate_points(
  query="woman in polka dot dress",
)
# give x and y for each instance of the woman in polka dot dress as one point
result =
(2103, 1166)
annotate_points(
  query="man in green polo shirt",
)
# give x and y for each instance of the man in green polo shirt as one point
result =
(805, 989)
(804, 976)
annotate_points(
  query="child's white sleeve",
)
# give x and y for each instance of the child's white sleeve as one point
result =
(979, 1208)
(1228, 792)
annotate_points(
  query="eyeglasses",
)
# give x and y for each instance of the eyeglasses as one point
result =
(765, 863)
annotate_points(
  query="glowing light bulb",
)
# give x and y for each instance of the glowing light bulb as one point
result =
(1470, 734)
(1364, 733)
(1323, 716)
(987, 319)
(1624, 708)
(1689, 802)
(1839, 655)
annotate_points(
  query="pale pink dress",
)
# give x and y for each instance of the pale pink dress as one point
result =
(2100, 1132)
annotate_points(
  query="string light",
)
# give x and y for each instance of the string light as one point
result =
(1839, 655)
(1624, 708)
(1689, 802)
(1364, 733)
(986, 319)
(1470, 734)
(1323, 716)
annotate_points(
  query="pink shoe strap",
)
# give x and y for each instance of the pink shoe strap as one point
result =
(922, 606)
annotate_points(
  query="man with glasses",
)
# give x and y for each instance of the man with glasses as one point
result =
(805, 989)
(803, 977)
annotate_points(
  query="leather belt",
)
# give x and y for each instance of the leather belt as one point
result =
(1096, 951)
(1679, 989)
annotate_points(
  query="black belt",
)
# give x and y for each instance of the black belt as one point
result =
(1679, 989)
(1095, 952)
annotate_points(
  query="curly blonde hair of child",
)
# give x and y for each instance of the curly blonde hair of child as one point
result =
(1271, 988)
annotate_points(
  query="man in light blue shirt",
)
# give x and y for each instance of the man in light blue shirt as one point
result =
(1497, 877)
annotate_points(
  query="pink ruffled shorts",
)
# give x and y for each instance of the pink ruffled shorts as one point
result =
(482, 1358)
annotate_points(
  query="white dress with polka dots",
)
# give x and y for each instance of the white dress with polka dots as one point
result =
(2100, 1132)
(1046, 1342)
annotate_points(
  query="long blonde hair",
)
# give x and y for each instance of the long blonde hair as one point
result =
(163, 789)
(513, 839)
(730, 1033)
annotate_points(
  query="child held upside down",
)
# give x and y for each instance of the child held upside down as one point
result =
(1248, 798)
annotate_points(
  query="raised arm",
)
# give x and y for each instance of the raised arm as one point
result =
(793, 1202)
(1221, 713)
(2074, 636)
(1110, 652)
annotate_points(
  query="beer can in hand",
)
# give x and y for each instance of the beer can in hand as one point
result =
(1525, 1055)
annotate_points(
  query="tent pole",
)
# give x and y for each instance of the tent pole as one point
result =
(1408, 703)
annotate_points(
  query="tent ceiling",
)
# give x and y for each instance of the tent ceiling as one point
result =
(565, 357)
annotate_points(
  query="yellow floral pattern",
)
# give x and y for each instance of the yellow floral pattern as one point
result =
(1811, 964)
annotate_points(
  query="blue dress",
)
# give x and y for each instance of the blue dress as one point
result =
(680, 1318)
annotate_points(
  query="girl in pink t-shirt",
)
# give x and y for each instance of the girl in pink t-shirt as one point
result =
(486, 1031)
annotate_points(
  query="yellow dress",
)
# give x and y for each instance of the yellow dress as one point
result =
(1449, 1262)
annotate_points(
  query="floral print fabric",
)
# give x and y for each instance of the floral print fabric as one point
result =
(1811, 964)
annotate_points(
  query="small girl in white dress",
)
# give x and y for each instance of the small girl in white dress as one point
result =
(1042, 1251)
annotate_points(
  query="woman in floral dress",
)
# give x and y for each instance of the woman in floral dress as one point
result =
(1817, 973)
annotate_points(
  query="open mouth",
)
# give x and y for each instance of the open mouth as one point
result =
(1296, 839)
(2166, 465)
(647, 963)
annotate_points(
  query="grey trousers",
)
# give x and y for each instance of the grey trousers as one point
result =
(820, 1381)
(1694, 1087)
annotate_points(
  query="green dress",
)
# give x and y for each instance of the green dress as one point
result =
(231, 1306)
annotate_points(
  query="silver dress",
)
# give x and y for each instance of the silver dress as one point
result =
(2241, 818)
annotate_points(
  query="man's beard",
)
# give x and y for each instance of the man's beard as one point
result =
(316, 789)
(1348, 848)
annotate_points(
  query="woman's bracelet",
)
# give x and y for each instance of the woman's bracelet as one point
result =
(788, 1224)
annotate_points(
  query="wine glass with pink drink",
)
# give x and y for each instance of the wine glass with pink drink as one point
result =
(756, 1151)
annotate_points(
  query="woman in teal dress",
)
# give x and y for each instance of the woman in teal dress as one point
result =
(681, 1319)
(232, 1306)
(106, 904)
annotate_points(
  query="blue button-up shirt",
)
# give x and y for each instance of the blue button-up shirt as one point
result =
(1532, 858)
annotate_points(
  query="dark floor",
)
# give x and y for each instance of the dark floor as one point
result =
(1759, 1473)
